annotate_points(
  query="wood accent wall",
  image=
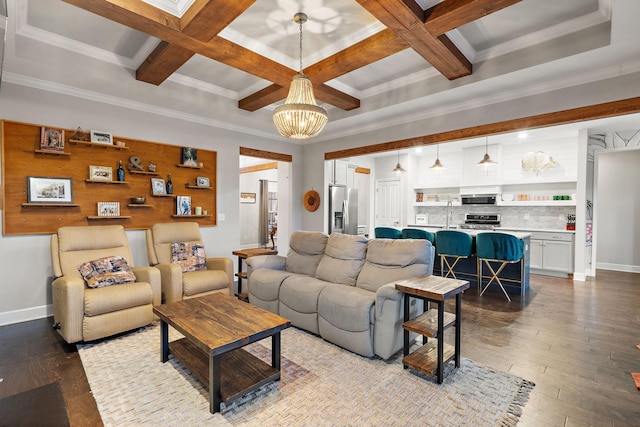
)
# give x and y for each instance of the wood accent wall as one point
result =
(20, 141)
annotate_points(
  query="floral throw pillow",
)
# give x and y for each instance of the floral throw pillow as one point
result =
(107, 271)
(190, 256)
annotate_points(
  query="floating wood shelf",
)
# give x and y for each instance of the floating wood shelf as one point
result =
(50, 205)
(97, 144)
(190, 216)
(135, 172)
(182, 165)
(53, 153)
(98, 181)
(137, 205)
(108, 217)
(197, 187)
(163, 195)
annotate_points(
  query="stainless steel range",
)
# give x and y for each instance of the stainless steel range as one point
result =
(481, 221)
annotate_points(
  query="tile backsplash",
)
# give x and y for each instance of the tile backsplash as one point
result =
(542, 217)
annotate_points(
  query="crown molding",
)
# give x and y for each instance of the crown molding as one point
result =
(132, 105)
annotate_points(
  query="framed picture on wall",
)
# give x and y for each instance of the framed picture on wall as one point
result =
(108, 208)
(51, 139)
(158, 186)
(42, 189)
(247, 197)
(101, 137)
(189, 156)
(100, 173)
(183, 205)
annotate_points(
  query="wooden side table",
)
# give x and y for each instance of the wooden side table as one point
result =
(243, 254)
(431, 357)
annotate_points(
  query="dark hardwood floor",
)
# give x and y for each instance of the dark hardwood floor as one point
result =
(575, 340)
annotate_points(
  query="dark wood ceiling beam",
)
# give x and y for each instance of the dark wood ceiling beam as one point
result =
(336, 98)
(372, 49)
(263, 97)
(409, 24)
(150, 20)
(203, 20)
(574, 115)
(452, 14)
(378, 46)
(147, 19)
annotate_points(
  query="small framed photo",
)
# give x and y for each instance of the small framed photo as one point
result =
(100, 173)
(49, 190)
(203, 181)
(158, 186)
(100, 137)
(189, 156)
(108, 208)
(247, 197)
(183, 205)
(51, 139)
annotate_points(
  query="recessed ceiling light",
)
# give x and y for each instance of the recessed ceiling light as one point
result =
(523, 135)
(418, 149)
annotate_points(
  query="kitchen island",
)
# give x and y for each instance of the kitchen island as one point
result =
(467, 268)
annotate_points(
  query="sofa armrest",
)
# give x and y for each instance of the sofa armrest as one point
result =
(68, 306)
(274, 262)
(387, 292)
(224, 264)
(171, 282)
(151, 275)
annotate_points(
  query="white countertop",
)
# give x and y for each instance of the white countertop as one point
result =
(520, 234)
(532, 230)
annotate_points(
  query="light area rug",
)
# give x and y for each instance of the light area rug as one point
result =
(321, 385)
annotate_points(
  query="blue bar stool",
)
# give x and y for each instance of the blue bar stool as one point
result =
(387, 233)
(452, 244)
(418, 233)
(500, 248)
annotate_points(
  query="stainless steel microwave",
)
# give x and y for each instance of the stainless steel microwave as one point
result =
(478, 199)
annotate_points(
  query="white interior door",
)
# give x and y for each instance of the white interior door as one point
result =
(388, 203)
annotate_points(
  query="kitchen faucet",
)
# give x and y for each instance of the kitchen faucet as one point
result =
(449, 208)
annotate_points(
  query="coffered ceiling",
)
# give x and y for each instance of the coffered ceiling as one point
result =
(227, 63)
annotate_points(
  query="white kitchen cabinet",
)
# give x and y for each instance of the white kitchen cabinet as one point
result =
(339, 172)
(552, 253)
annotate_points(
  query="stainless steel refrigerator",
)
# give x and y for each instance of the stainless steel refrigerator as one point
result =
(343, 209)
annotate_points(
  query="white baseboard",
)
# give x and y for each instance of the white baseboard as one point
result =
(618, 267)
(579, 277)
(24, 315)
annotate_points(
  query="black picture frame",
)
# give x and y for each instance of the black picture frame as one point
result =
(189, 156)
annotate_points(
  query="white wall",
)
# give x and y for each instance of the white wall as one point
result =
(25, 261)
(618, 209)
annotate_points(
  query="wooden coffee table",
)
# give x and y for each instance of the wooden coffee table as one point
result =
(215, 327)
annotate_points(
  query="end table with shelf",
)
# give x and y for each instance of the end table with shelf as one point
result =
(431, 357)
(243, 254)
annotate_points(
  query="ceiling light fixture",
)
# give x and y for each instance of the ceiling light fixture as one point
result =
(300, 117)
(437, 165)
(486, 160)
(398, 169)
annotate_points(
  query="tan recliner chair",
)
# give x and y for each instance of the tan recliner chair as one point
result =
(176, 285)
(84, 314)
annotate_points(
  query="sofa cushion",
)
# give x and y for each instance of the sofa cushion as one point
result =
(190, 256)
(305, 250)
(196, 282)
(115, 298)
(343, 258)
(106, 271)
(265, 283)
(301, 293)
(389, 260)
(347, 308)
